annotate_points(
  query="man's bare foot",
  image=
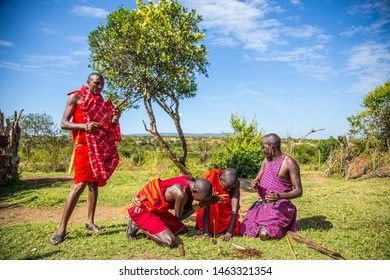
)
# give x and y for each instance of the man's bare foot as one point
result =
(131, 231)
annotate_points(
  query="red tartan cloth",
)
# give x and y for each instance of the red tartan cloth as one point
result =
(220, 213)
(152, 195)
(102, 151)
(153, 214)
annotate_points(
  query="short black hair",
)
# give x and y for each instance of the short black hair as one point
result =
(230, 176)
(204, 188)
(272, 138)
(94, 74)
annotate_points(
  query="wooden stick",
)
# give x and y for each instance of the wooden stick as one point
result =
(311, 244)
(291, 248)
(238, 247)
(72, 160)
(181, 249)
(214, 239)
(73, 153)
(116, 108)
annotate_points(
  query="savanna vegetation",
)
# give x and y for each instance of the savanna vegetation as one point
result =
(347, 216)
(344, 207)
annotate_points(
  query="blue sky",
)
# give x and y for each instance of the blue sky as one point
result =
(292, 65)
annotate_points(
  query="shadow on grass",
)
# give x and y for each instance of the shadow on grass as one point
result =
(315, 222)
(42, 256)
(32, 183)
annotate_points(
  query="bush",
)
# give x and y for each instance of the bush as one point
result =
(241, 150)
(304, 153)
(326, 147)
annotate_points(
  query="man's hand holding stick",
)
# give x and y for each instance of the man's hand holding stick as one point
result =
(114, 110)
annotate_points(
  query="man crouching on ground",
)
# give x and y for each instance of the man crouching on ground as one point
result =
(149, 209)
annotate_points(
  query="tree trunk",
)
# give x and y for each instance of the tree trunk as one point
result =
(153, 130)
(175, 116)
(9, 146)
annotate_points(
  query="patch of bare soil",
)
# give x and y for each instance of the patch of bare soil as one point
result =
(11, 215)
(315, 178)
(22, 215)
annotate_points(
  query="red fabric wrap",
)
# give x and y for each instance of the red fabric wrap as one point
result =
(220, 213)
(102, 151)
(152, 215)
(82, 168)
(154, 222)
(152, 195)
(78, 135)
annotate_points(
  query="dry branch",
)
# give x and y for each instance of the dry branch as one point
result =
(304, 137)
(311, 244)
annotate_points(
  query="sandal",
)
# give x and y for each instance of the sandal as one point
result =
(131, 230)
(57, 239)
(94, 228)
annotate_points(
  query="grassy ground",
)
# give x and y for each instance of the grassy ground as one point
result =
(350, 217)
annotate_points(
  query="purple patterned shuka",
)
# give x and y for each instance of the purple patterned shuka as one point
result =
(276, 218)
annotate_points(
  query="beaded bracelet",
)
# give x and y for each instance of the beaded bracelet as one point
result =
(196, 207)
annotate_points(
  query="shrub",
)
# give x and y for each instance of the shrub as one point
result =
(241, 150)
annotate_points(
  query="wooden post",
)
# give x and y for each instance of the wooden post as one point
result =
(9, 146)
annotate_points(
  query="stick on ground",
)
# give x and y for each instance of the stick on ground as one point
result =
(311, 244)
(291, 248)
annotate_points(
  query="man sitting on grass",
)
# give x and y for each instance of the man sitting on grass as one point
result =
(149, 209)
(278, 181)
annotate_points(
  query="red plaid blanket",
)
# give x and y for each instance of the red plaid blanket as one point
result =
(103, 153)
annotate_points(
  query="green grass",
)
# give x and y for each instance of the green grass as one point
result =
(350, 217)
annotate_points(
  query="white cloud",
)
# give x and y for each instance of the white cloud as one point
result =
(81, 53)
(60, 61)
(43, 28)
(88, 11)
(379, 11)
(12, 66)
(368, 8)
(4, 43)
(78, 39)
(44, 66)
(242, 22)
(370, 64)
(255, 25)
(296, 2)
(308, 61)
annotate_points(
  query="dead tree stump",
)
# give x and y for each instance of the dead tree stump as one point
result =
(9, 145)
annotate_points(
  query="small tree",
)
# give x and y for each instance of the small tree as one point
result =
(42, 139)
(242, 149)
(373, 123)
(152, 55)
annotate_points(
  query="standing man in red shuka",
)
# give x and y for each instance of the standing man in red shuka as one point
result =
(96, 155)
(223, 217)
